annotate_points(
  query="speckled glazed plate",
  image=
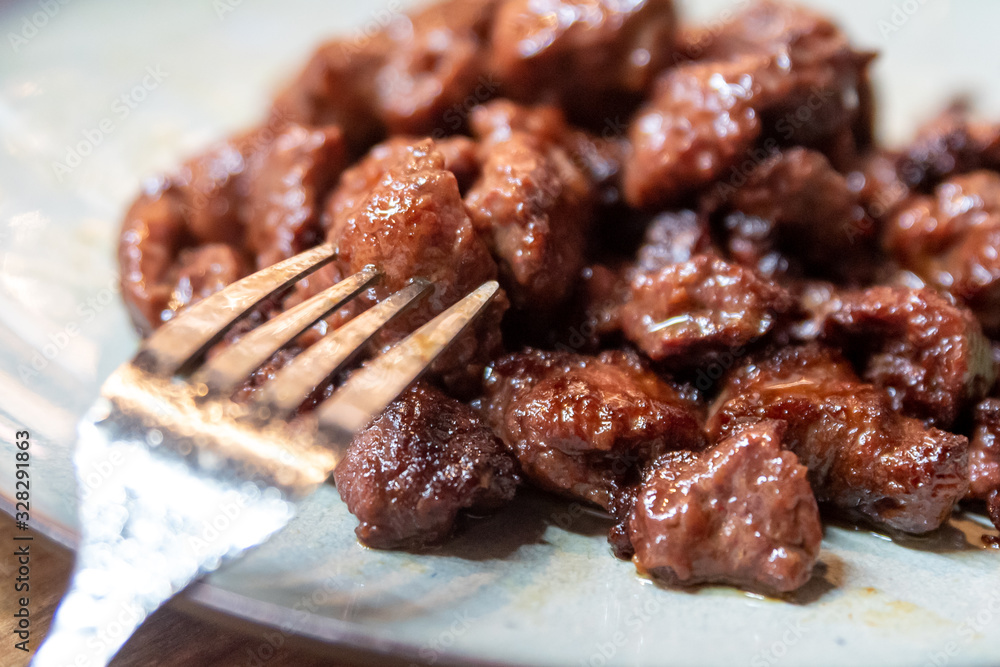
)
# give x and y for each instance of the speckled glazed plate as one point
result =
(95, 95)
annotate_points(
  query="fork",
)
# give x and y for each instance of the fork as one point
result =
(178, 479)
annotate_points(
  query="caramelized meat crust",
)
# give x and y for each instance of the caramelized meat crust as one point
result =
(532, 203)
(690, 311)
(796, 214)
(863, 457)
(776, 73)
(409, 474)
(742, 513)
(928, 354)
(951, 240)
(583, 54)
(584, 426)
(412, 223)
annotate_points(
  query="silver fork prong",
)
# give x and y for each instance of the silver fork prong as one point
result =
(178, 344)
(371, 389)
(313, 366)
(224, 372)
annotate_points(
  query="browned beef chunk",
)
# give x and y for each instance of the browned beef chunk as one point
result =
(153, 234)
(213, 184)
(951, 239)
(415, 467)
(689, 312)
(796, 214)
(775, 70)
(829, 100)
(599, 157)
(984, 450)
(290, 178)
(435, 69)
(928, 354)
(198, 204)
(412, 223)
(993, 508)
(584, 426)
(584, 54)
(419, 75)
(254, 196)
(358, 180)
(953, 143)
(532, 203)
(337, 87)
(863, 457)
(739, 513)
(699, 122)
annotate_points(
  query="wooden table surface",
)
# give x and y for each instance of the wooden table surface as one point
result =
(168, 638)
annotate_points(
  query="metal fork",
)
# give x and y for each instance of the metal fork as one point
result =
(177, 479)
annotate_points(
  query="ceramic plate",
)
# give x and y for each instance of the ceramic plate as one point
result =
(96, 95)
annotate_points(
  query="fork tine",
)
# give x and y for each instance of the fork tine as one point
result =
(175, 346)
(371, 389)
(314, 365)
(234, 364)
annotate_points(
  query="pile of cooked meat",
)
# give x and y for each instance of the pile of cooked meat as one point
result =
(725, 309)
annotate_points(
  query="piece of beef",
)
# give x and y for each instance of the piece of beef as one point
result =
(950, 144)
(951, 239)
(198, 204)
(795, 214)
(584, 426)
(928, 354)
(740, 513)
(776, 71)
(410, 224)
(410, 473)
(531, 203)
(864, 458)
(337, 86)
(700, 121)
(415, 76)
(435, 68)
(829, 102)
(590, 56)
(153, 234)
(984, 450)
(290, 178)
(689, 312)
